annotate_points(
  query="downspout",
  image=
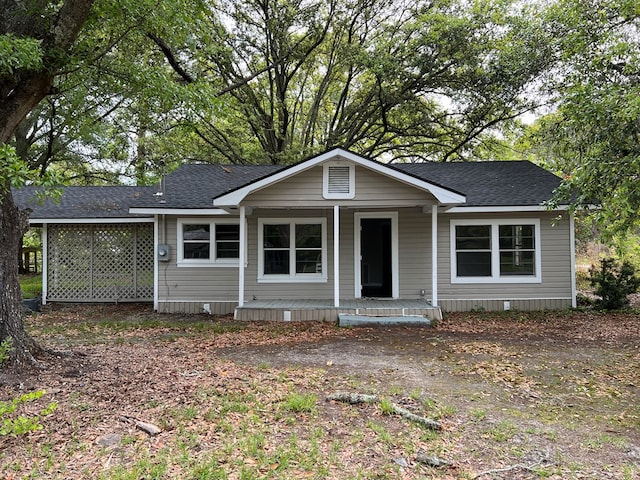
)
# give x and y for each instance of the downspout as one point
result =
(434, 255)
(572, 243)
(336, 256)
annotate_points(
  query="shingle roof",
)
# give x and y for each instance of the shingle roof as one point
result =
(507, 183)
(193, 186)
(83, 202)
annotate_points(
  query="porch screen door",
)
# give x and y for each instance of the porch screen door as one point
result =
(376, 260)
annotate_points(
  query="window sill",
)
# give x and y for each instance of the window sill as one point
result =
(183, 264)
(289, 279)
(499, 280)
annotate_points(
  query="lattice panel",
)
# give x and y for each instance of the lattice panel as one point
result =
(100, 262)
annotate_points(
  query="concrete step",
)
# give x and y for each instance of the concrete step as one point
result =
(346, 320)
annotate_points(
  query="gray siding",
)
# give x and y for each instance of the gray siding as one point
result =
(305, 190)
(556, 264)
(193, 284)
(187, 289)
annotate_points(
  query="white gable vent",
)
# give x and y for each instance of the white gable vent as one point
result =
(338, 180)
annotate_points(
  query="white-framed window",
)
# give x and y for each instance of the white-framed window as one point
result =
(338, 180)
(204, 242)
(292, 250)
(495, 251)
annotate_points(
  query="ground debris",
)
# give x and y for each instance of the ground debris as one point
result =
(358, 398)
(150, 428)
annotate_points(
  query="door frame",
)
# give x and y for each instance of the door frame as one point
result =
(395, 271)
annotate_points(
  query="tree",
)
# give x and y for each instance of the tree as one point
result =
(593, 138)
(36, 39)
(427, 80)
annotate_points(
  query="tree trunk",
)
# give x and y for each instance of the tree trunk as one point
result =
(13, 224)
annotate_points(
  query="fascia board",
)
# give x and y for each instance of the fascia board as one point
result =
(35, 221)
(177, 211)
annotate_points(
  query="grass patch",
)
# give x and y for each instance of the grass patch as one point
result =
(31, 285)
(300, 402)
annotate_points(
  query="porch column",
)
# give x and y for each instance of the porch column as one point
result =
(336, 255)
(45, 262)
(434, 255)
(243, 256)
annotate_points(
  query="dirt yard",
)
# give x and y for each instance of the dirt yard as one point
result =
(519, 396)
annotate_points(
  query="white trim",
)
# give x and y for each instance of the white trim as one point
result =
(336, 256)
(434, 255)
(156, 266)
(506, 209)
(178, 211)
(292, 277)
(495, 252)
(572, 244)
(395, 270)
(37, 221)
(45, 263)
(325, 180)
(212, 261)
(443, 195)
(242, 260)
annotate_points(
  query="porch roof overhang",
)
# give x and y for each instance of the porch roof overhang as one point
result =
(444, 196)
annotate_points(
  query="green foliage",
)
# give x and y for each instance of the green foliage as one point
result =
(5, 349)
(592, 138)
(613, 282)
(301, 402)
(19, 54)
(31, 285)
(17, 425)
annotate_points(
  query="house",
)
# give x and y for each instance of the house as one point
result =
(336, 233)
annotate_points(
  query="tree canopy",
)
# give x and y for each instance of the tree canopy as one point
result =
(593, 137)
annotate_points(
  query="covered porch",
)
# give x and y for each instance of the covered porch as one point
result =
(376, 310)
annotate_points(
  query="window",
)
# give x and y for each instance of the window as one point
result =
(208, 243)
(498, 251)
(338, 180)
(292, 250)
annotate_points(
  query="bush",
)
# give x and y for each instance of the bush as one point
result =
(614, 282)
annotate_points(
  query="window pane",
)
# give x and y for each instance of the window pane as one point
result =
(195, 232)
(517, 263)
(309, 236)
(473, 237)
(276, 236)
(474, 264)
(517, 236)
(276, 262)
(227, 241)
(228, 250)
(196, 250)
(227, 232)
(308, 261)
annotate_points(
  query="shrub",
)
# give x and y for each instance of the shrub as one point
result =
(614, 282)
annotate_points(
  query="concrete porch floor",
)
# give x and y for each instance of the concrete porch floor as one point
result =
(324, 310)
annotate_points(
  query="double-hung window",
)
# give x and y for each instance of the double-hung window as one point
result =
(208, 243)
(495, 251)
(292, 250)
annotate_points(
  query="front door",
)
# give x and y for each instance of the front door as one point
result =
(376, 272)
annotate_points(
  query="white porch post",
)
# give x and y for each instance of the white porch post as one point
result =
(243, 256)
(572, 243)
(336, 255)
(434, 255)
(156, 267)
(45, 262)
